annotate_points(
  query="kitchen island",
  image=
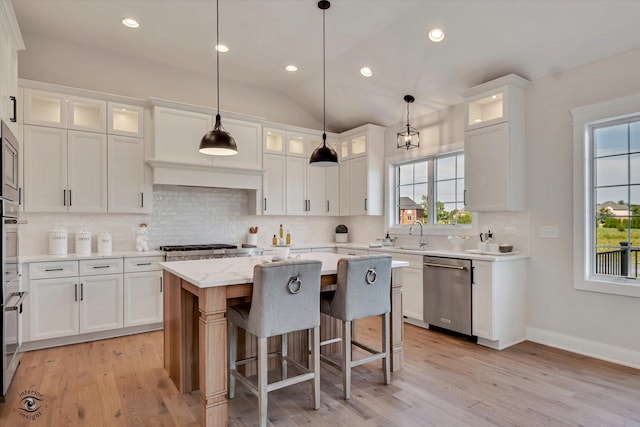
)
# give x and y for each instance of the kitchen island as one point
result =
(196, 296)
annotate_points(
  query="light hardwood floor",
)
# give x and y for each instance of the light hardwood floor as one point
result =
(446, 382)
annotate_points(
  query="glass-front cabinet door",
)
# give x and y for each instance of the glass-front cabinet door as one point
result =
(296, 144)
(343, 149)
(87, 114)
(488, 108)
(125, 120)
(358, 145)
(45, 108)
(274, 141)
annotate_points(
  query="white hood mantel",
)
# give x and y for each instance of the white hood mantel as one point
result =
(198, 175)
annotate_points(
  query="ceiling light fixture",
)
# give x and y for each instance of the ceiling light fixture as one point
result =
(221, 48)
(291, 68)
(218, 142)
(408, 137)
(366, 71)
(130, 22)
(324, 155)
(436, 35)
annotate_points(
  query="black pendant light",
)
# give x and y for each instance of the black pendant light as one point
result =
(408, 137)
(324, 155)
(218, 142)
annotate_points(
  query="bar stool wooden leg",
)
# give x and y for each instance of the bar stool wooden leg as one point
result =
(315, 357)
(232, 334)
(284, 350)
(263, 369)
(346, 359)
(386, 347)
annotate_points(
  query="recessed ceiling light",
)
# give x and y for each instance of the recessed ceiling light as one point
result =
(222, 48)
(291, 68)
(130, 22)
(436, 35)
(366, 71)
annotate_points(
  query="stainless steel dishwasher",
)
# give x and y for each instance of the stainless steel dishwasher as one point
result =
(447, 293)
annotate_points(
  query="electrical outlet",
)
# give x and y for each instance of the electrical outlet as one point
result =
(510, 230)
(549, 231)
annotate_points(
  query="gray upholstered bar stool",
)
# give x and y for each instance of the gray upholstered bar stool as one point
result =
(363, 290)
(286, 298)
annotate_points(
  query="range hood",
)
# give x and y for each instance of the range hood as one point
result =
(198, 175)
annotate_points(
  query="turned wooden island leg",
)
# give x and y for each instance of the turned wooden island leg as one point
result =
(213, 357)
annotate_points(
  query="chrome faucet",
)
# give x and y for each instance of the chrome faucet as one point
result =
(423, 239)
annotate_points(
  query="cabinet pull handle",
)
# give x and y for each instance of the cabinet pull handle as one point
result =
(328, 206)
(101, 266)
(76, 291)
(143, 263)
(161, 284)
(15, 109)
(142, 200)
(365, 204)
(473, 278)
(308, 205)
(81, 291)
(53, 269)
(464, 197)
(64, 197)
(69, 197)
(20, 195)
(265, 203)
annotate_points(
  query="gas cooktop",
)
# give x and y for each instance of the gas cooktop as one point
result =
(172, 248)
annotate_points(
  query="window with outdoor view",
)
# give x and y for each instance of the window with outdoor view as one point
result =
(430, 190)
(616, 197)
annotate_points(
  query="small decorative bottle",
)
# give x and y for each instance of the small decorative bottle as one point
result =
(281, 232)
(288, 238)
(274, 240)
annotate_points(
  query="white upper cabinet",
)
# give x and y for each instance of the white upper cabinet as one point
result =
(274, 184)
(125, 120)
(297, 144)
(297, 203)
(87, 172)
(494, 145)
(362, 173)
(127, 191)
(10, 43)
(87, 114)
(274, 141)
(45, 108)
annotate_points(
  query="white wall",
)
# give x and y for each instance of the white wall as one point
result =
(77, 66)
(599, 324)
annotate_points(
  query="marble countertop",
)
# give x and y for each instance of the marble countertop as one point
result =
(435, 252)
(206, 273)
(77, 257)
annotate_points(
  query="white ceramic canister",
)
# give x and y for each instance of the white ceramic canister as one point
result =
(83, 243)
(105, 243)
(58, 241)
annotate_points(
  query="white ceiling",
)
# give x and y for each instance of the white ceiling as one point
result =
(484, 40)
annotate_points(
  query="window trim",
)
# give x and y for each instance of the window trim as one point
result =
(584, 119)
(391, 164)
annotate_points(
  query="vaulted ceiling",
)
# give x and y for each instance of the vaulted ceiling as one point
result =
(484, 40)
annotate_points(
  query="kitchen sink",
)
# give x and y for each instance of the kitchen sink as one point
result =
(414, 248)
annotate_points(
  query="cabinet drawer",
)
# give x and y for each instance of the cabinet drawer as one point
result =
(53, 269)
(92, 267)
(143, 263)
(415, 261)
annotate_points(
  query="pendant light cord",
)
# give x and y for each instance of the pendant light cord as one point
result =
(218, 53)
(324, 82)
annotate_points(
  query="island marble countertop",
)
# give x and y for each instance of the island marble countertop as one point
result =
(206, 273)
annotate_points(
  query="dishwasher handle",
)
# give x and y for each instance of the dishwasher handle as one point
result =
(453, 267)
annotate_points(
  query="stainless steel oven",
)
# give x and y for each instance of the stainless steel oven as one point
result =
(11, 294)
(10, 188)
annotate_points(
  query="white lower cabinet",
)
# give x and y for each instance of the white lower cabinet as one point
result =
(412, 287)
(143, 298)
(498, 302)
(100, 303)
(104, 294)
(53, 308)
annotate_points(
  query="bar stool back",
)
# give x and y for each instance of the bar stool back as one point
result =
(363, 290)
(286, 297)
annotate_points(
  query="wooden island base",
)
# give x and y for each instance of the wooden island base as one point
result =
(195, 339)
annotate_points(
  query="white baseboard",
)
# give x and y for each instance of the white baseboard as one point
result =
(609, 353)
